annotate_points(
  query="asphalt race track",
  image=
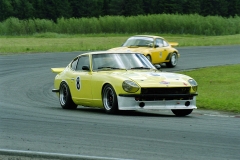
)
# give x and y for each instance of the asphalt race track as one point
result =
(32, 122)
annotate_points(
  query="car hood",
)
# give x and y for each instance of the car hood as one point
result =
(132, 49)
(154, 79)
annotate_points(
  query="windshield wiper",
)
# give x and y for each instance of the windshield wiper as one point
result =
(141, 68)
(136, 46)
(109, 68)
(133, 46)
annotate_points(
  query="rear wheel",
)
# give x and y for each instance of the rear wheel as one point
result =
(173, 60)
(109, 99)
(65, 97)
(182, 112)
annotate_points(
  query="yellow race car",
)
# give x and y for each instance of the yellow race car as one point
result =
(155, 48)
(122, 81)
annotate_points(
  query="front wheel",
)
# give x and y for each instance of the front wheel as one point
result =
(182, 112)
(109, 99)
(173, 60)
(65, 97)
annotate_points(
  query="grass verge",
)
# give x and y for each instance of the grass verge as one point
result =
(218, 87)
(52, 42)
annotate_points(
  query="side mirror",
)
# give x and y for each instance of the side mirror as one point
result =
(157, 66)
(156, 46)
(150, 45)
(86, 68)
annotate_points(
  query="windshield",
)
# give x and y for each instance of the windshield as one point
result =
(139, 41)
(120, 61)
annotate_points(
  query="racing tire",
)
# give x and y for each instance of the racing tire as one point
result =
(149, 58)
(182, 112)
(173, 60)
(65, 97)
(109, 99)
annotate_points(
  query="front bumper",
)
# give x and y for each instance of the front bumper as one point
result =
(130, 103)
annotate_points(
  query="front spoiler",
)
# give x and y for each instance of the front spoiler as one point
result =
(129, 103)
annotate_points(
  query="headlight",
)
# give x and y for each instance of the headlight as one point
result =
(193, 84)
(130, 86)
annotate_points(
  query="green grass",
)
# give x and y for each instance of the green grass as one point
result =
(57, 43)
(53, 42)
(218, 87)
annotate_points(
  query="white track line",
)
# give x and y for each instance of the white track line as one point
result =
(36, 154)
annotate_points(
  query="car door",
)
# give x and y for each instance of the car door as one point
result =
(80, 83)
(159, 52)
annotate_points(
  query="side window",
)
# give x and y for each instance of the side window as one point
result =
(165, 44)
(159, 42)
(82, 61)
(74, 63)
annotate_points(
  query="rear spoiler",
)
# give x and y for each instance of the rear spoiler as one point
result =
(174, 44)
(57, 70)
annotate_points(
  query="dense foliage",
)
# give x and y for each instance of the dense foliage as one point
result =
(54, 9)
(155, 23)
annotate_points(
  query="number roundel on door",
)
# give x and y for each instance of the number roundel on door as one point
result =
(78, 83)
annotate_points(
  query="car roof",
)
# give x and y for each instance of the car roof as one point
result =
(152, 36)
(108, 52)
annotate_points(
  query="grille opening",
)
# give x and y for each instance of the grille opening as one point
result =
(175, 90)
(157, 98)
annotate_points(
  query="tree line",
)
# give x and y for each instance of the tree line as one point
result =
(54, 9)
